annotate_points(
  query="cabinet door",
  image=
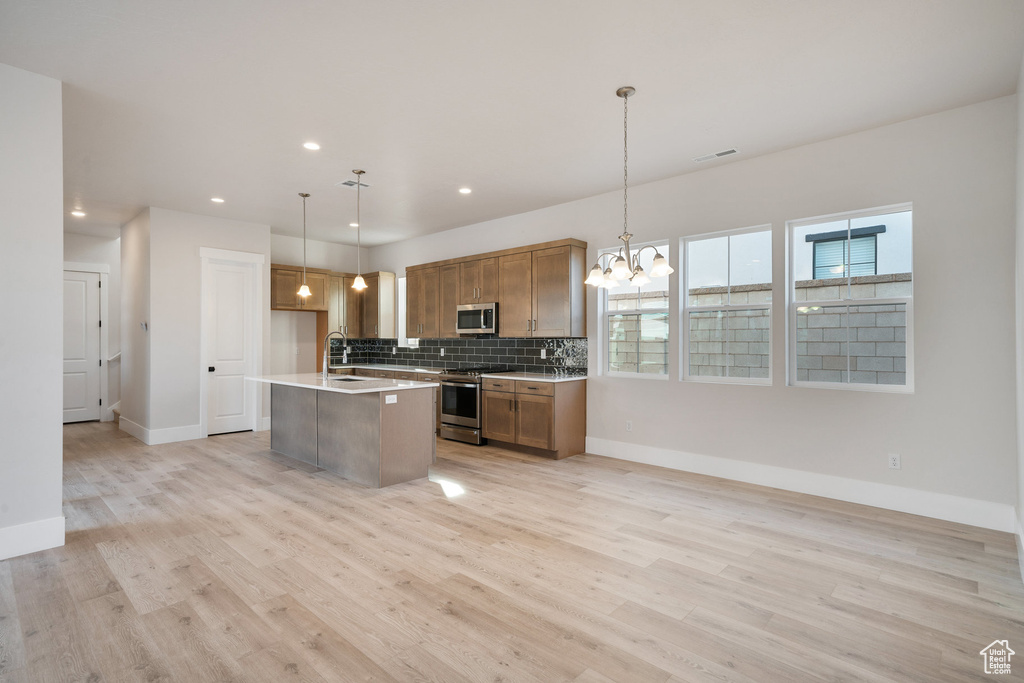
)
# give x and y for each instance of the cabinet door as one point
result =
(336, 305)
(284, 285)
(499, 417)
(487, 291)
(413, 303)
(551, 292)
(515, 300)
(448, 300)
(371, 307)
(469, 282)
(319, 287)
(352, 314)
(535, 423)
(429, 304)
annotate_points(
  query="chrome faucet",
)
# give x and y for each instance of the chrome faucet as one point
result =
(327, 350)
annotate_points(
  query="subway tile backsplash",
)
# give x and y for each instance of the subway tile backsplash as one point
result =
(564, 356)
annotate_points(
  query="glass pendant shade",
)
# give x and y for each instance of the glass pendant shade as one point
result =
(639, 278)
(359, 283)
(620, 269)
(596, 276)
(609, 281)
(660, 267)
(304, 290)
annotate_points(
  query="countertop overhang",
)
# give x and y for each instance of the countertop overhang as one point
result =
(349, 385)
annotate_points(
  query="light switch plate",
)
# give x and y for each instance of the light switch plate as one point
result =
(391, 398)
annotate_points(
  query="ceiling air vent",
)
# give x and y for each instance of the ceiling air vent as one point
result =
(716, 155)
(349, 183)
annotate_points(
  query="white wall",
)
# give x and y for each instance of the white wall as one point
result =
(1020, 317)
(135, 319)
(341, 257)
(107, 251)
(293, 342)
(175, 299)
(31, 339)
(956, 433)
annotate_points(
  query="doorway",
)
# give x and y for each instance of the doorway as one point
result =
(85, 342)
(232, 341)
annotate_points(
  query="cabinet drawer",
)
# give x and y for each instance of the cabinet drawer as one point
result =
(426, 376)
(499, 385)
(341, 371)
(364, 372)
(384, 374)
(406, 375)
(535, 388)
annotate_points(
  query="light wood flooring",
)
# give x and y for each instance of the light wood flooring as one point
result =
(219, 560)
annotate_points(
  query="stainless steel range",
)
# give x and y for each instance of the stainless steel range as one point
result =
(461, 417)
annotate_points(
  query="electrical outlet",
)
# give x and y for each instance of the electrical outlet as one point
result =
(442, 352)
(296, 350)
(894, 461)
(629, 425)
(543, 354)
(394, 350)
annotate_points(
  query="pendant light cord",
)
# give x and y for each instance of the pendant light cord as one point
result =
(359, 226)
(303, 240)
(625, 165)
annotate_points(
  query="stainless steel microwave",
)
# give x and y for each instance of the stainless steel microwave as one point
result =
(477, 319)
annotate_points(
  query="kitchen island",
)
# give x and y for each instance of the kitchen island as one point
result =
(376, 432)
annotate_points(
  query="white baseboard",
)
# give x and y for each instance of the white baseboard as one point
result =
(108, 413)
(23, 539)
(155, 437)
(982, 513)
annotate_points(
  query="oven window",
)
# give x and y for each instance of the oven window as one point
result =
(459, 401)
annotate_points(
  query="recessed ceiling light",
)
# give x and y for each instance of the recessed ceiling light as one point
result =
(464, 190)
(353, 225)
(79, 214)
(217, 200)
(311, 145)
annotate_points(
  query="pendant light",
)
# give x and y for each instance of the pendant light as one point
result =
(359, 283)
(304, 289)
(626, 265)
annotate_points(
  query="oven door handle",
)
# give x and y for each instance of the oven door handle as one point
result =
(445, 383)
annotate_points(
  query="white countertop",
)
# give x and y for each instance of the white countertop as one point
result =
(357, 385)
(395, 368)
(534, 377)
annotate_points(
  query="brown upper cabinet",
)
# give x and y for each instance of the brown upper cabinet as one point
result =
(538, 288)
(344, 308)
(448, 301)
(379, 319)
(284, 289)
(478, 281)
(422, 289)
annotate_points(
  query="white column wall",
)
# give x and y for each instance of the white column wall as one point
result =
(31, 338)
(956, 433)
(135, 320)
(176, 310)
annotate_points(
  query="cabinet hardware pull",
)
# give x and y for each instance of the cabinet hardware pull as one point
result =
(534, 328)
(533, 388)
(528, 323)
(510, 406)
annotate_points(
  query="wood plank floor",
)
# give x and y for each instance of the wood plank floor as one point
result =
(220, 560)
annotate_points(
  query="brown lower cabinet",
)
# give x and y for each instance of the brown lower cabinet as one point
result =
(549, 416)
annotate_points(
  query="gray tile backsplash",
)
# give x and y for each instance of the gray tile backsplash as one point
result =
(564, 356)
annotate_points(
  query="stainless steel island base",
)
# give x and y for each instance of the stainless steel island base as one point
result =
(376, 433)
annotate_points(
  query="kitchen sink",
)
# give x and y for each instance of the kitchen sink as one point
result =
(346, 379)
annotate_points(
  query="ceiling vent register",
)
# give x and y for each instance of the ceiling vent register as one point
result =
(716, 155)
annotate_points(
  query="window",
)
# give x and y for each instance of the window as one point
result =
(727, 309)
(635, 322)
(850, 299)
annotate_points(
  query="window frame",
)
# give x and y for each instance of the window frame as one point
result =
(792, 304)
(604, 350)
(685, 309)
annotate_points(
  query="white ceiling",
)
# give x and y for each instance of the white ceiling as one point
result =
(170, 103)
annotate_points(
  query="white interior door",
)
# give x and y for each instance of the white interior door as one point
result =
(228, 329)
(81, 346)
